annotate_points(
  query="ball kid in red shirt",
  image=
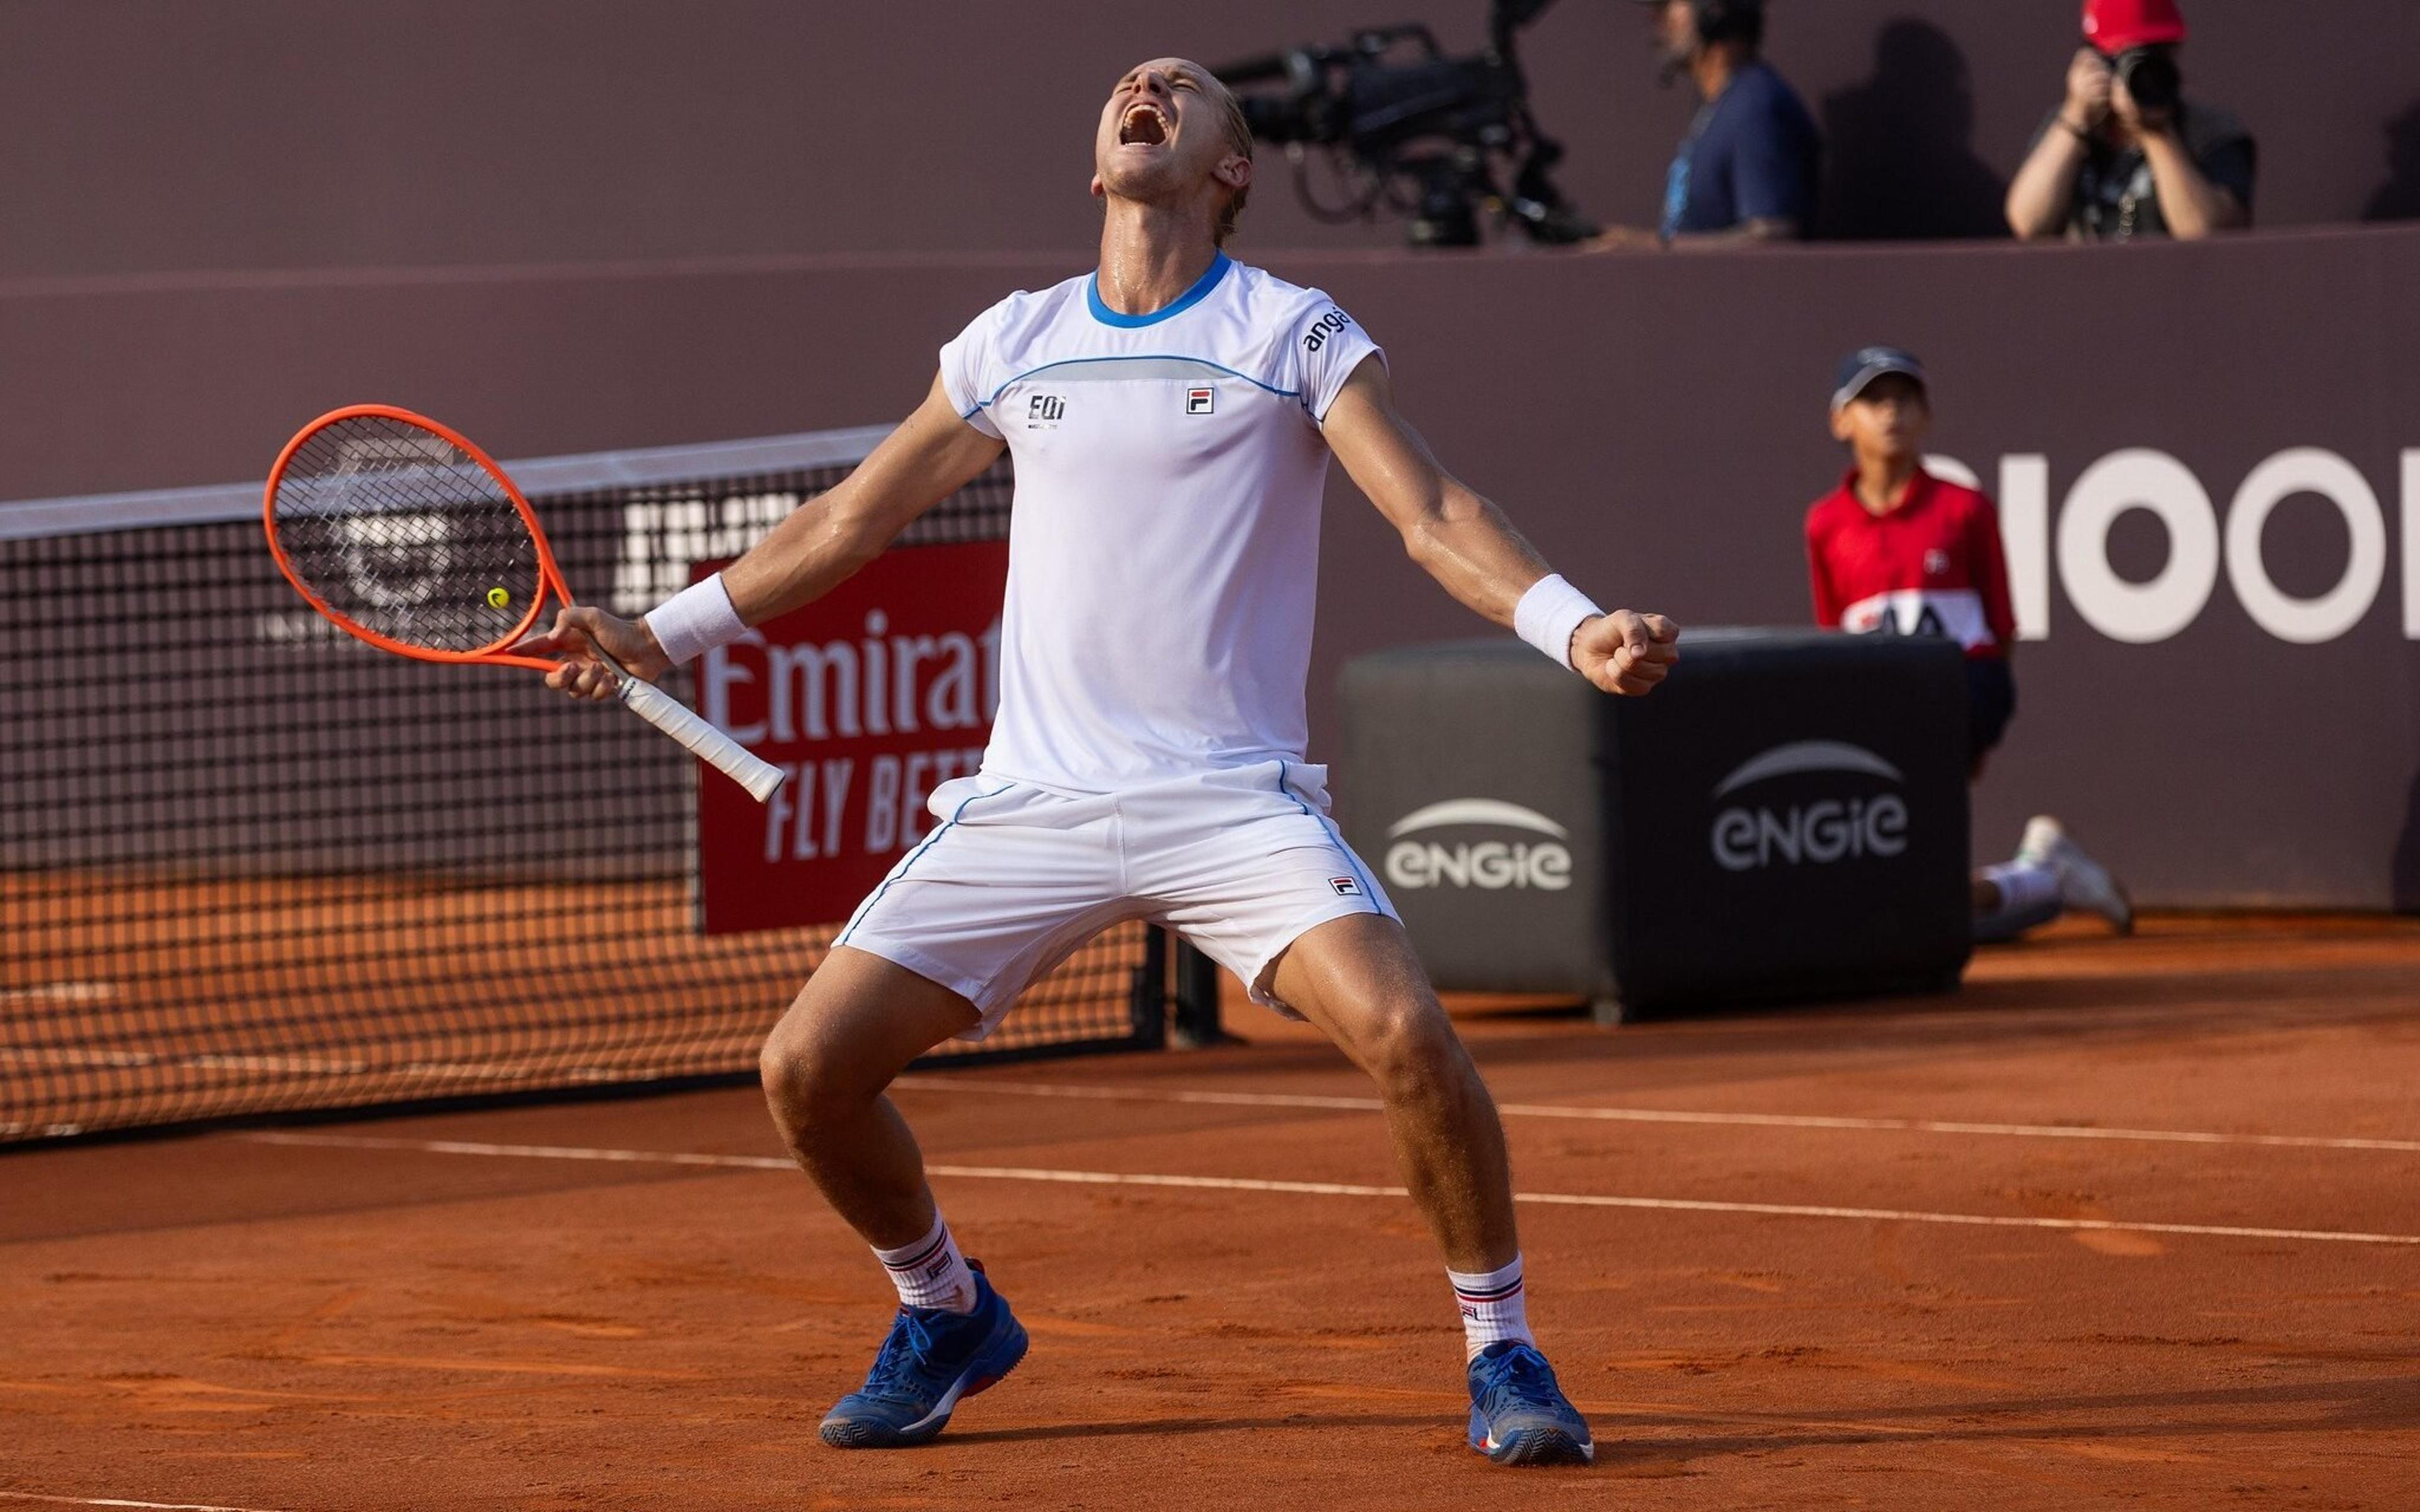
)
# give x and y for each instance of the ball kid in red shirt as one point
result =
(1896, 550)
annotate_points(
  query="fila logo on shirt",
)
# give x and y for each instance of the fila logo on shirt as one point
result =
(1345, 886)
(1200, 401)
(1044, 408)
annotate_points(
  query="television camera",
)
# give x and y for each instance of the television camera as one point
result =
(1407, 127)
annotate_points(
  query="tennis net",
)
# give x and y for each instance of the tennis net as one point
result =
(250, 865)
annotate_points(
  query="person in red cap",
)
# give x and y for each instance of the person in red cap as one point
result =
(2128, 155)
(1895, 551)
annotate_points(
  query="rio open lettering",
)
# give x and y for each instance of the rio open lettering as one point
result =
(2199, 544)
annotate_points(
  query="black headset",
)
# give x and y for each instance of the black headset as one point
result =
(1721, 19)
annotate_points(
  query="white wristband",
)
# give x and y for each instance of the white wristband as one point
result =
(1550, 614)
(695, 621)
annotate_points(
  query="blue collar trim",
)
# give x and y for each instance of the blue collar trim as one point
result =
(1186, 300)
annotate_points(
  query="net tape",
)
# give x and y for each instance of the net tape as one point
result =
(251, 866)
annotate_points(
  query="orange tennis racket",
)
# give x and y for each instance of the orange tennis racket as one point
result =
(408, 537)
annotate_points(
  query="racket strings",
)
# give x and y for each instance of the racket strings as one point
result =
(399, 530)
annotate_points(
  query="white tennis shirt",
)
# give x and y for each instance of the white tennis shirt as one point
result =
(1164, 544)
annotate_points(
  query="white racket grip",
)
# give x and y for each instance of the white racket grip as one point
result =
(717, 749)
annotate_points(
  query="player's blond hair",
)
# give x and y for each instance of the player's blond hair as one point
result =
(1239, 139)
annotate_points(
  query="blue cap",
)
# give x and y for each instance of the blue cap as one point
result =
(1863, 367)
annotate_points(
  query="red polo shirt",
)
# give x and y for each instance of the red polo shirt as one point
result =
(1932, 567)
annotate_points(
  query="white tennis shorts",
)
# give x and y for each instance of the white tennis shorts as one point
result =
(1242, 862)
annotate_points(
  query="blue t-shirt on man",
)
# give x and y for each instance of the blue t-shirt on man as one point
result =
(1753, 154)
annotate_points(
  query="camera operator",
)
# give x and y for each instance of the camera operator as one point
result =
(2127, 156)
(1748, 168)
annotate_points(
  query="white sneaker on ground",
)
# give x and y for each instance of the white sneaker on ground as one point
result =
(2083, 882)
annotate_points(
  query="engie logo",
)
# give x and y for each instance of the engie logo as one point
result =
(1817, 833)
(1490, 864)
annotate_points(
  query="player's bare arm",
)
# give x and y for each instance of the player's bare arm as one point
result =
(821, 544)
(1459, 537)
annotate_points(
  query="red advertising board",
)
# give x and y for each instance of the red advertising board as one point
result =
(868, 699)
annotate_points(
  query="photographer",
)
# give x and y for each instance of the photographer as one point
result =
(2127, 156)
(1748, 168)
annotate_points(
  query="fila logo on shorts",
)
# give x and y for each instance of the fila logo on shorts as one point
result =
(1345, 886)
(1200, 401)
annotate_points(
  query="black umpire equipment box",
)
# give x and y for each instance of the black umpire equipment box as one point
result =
(1786, 817)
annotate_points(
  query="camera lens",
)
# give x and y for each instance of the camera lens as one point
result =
(2151, 76)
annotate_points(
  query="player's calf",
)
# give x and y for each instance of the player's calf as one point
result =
(1358, 979)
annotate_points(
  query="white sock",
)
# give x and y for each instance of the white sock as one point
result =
(1494, 1308)
(2029, 898)
(2024, 886)
(930, 1273)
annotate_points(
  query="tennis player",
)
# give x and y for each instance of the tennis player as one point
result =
(1171, 416)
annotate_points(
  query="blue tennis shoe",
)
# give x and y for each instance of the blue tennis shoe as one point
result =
(933, 1359)
(1519, 1414)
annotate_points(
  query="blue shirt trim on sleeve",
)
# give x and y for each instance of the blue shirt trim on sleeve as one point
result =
(1201, 289)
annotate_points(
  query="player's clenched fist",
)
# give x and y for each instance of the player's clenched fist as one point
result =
(578, 634)
(1626, 653)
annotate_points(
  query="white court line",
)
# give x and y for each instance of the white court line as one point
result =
(60, 992)
(500, 1071)
(1324, 1189)
(18, 1055)
(1752, 1120)
(511, 1071)
(112, 1500)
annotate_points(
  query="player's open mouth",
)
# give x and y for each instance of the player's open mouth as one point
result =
(1143, 125)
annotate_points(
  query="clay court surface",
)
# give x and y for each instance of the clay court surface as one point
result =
(2127, 1223)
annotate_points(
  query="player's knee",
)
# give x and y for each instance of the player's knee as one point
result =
(802, 1083)
(780, 1066)
(1411, 1051)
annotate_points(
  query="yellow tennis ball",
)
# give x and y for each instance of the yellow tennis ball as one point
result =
(498, 598)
